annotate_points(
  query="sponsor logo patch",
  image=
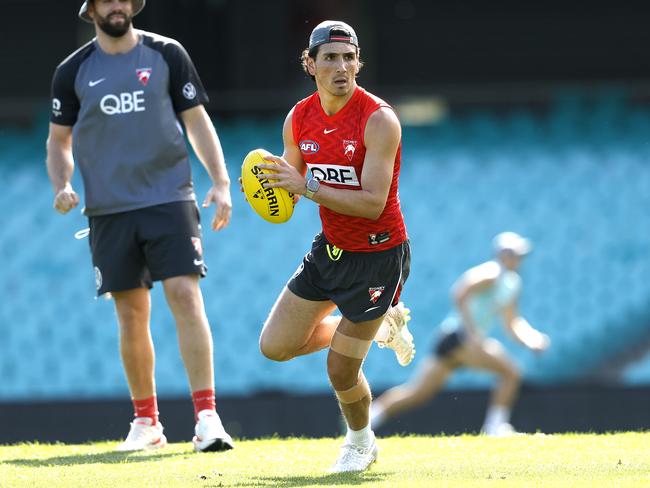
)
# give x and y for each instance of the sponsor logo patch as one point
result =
(124, 103)
(334, 252)
(98, 278)
(196, 242)
(143, 75)
(56, 107)
(335, 173)
(189, 91)
(375, 292)
(349, 147)
(309, 147)
(375, 239)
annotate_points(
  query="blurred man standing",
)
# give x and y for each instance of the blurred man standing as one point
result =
(350, 141)
(116, 105)
(481, 295)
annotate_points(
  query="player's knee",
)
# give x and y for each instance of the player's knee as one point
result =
(341, 375)
(183, 294)
(273, 350)
(344, 360)
(129, 318)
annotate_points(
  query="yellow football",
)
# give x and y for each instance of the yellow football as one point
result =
(272, 204)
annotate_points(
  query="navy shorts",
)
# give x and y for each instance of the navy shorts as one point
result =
(361, 284)
(135, 248)
(447, 343)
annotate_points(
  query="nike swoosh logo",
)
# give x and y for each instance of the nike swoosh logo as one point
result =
(198, 262)
(96, 82)
(327, 131)
(371, 308)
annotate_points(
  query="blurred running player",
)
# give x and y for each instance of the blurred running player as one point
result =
(116, 106)
(349, 140)
(481, 295)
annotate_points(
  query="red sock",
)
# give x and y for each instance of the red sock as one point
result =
(147, 407)
(203, 400)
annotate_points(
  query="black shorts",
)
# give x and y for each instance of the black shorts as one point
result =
(361, 284)
(447, 343)
(135, 248)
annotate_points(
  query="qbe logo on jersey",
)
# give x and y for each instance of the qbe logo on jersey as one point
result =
(124, 103)
(335, 173)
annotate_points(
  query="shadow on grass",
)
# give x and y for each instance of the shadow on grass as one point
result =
(324, 480)
(107, 457)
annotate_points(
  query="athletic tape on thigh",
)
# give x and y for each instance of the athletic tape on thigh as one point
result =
(350, 346)
(356, 393)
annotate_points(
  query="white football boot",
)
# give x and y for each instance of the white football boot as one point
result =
(354, 458)
(399, 338)
(143, 436)
(210, 434)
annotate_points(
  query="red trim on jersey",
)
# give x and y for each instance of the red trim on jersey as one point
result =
(338, 162)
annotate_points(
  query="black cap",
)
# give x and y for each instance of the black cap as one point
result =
(332, 31)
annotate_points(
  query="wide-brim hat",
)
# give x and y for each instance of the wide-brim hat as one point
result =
(138, 5)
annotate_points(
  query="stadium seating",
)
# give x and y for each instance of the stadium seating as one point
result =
(574, 178)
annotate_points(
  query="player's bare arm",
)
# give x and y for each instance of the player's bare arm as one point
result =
(522, 331)
(60, 167)
(471, 282)
(382, 138)
(205, 142)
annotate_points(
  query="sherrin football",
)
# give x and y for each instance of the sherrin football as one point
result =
(274, 205)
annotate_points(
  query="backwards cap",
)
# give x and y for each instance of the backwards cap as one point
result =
(332, 31)
(138, 5)
(511, 241)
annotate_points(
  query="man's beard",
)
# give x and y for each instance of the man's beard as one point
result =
(113, 30)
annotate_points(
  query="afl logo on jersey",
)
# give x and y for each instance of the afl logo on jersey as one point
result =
(309, 147)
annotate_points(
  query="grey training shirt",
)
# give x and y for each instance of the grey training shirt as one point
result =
(127, 140)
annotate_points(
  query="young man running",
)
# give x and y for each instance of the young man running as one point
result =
(348, 141)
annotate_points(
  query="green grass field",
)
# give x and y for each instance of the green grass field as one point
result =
(574, 460)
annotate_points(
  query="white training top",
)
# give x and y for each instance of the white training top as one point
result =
(485, 306)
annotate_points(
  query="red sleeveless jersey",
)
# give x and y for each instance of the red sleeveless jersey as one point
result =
(333, 148)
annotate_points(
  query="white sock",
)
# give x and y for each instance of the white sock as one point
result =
(361, 438)
(497, 415)
(377, 415)
(382, 332)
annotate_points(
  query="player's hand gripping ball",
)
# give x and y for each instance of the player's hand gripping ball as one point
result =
(274, 205)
